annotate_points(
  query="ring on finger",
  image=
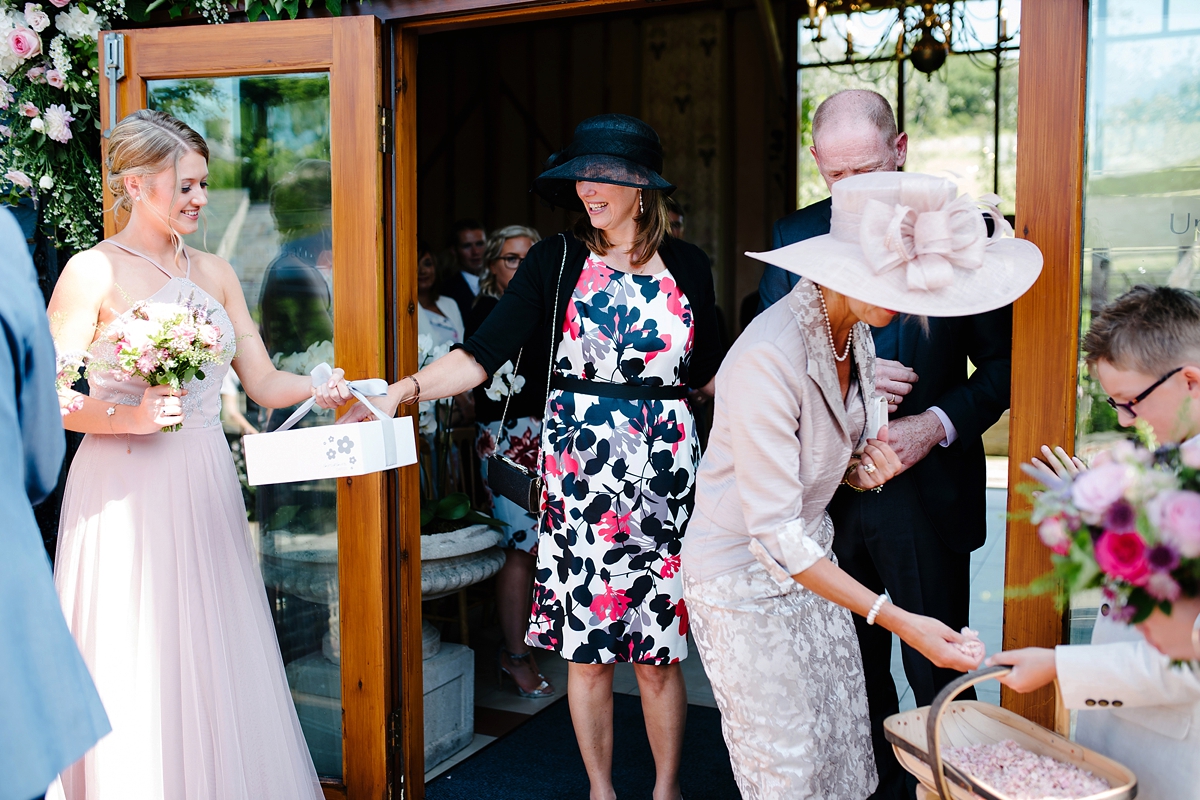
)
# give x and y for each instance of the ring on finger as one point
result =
(868, 468)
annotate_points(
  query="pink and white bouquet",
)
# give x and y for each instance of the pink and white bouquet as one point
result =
(166, 344)
(1129, 525)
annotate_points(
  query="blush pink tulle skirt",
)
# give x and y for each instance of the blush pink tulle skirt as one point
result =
(162, 591)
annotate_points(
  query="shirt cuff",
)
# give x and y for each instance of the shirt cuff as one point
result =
(947, 425)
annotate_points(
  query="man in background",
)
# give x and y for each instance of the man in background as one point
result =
(914, 539)
(461, 280)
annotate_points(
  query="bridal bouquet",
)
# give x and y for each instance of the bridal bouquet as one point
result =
(1129, 525)
(166, 344)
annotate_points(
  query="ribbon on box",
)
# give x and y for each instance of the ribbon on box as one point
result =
(370, 387)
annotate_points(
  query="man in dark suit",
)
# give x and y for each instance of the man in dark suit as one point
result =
(461, 280)
(914, 538)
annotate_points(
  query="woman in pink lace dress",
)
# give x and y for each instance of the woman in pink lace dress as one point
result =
(155, 571)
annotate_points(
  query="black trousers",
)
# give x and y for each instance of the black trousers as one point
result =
(885, 541)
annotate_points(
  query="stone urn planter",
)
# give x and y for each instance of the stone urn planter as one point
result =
(449, 562)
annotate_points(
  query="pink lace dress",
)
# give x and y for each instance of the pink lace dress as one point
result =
(162, 591)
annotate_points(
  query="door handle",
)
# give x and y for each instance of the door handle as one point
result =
(114, 67)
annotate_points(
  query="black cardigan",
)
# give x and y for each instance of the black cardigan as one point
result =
(528, 303)
(531, 400)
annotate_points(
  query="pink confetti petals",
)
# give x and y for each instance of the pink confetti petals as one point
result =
(1023, 775)
(973, 648)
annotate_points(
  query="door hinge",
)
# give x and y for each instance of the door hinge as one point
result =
(114, 69)
(395, 731)
(385, 130)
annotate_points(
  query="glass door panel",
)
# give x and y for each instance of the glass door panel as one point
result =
(270, 216)
(1141, 195)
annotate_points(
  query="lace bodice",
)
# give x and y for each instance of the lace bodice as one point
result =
(202, 403)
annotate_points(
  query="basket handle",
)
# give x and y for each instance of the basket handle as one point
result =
(933, 723)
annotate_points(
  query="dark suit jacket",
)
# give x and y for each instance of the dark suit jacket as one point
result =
(455, 287)
(950, 481)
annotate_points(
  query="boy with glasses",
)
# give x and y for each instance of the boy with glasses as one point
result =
(1133, 705)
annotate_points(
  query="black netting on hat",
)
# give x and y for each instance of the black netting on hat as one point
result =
(610, 148)
(558, 185)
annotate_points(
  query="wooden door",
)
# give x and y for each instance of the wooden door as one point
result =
(291, 111)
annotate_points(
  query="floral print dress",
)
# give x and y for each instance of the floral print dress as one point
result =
(619, 477)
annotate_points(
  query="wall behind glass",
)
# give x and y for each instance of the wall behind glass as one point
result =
(1141, 198)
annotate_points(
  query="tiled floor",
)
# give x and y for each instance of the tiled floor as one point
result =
(987, 604)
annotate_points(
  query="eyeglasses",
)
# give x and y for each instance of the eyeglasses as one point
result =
(511, 260)
(1128, 407)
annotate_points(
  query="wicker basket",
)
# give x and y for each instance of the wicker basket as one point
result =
(966, 722)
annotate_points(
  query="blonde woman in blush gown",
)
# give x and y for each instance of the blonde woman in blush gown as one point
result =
(155, 570)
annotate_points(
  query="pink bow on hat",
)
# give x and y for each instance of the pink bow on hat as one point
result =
(928, 244)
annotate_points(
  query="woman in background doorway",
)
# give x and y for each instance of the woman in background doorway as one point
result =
(517, 439)
(438, 316)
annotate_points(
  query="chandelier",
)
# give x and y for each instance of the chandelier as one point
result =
(923, 33)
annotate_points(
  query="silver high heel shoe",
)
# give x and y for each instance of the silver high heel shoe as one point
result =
(544, 689)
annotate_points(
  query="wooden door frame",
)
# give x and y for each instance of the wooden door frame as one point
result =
(341, 47)
(1050, 140)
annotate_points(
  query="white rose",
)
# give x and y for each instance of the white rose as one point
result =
(46, 183)
(37, 124)
(36, 18)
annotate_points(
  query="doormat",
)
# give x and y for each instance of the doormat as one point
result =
(540, 760)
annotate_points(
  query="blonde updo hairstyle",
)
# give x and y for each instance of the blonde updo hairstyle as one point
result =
(145, 143)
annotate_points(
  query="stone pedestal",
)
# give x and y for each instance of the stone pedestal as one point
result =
(450, 562)
(449, 680)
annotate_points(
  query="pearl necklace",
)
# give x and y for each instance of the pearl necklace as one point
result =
(829, 329)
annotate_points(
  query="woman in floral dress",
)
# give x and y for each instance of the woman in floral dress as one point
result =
(633, 317)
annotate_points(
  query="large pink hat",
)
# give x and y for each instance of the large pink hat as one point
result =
(910, 243)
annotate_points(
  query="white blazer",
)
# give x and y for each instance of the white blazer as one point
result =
(1136, 708)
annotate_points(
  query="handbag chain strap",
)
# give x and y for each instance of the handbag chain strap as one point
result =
(550, 367)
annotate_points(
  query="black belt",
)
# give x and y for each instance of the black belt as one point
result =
(618, 391)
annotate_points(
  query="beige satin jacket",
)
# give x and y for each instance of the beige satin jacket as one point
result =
(782, 438)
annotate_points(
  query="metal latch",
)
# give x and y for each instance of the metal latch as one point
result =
(114, 68)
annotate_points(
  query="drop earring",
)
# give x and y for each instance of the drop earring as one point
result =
(641, 206)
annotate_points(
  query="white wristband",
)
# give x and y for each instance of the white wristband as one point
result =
(874, 612)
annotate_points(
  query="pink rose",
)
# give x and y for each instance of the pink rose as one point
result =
(35, 74)
(28, 109)
(182, 336)
(56, 79)
(209, 336)
(1123, 556)
(1054, 535)
(19, 178)
(1189, 453)
(59, 3)
(1178, 518)
(25, 43)
(1098, 488)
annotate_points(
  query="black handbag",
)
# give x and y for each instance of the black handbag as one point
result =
(506, 477)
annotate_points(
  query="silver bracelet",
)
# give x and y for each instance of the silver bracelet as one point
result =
(874, 612)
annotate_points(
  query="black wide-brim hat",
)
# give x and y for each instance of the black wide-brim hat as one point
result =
(609, 148)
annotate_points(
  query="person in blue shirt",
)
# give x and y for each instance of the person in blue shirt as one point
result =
(50, 712)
